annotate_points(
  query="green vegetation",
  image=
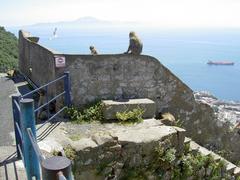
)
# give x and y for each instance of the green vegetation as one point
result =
(75, 137)
(187, 165)
(130, 116)
(134, 174)
(168, 164)
(89, 114)
(94, 112)
(8, 51)
(70, 152)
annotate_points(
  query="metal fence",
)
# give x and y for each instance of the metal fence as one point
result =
(24, 113)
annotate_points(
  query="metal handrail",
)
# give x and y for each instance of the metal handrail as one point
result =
(20, 150)
(35, 145)
(19, 131)
(26, 142)
(17, 105)
(40, 107)
(37, 89)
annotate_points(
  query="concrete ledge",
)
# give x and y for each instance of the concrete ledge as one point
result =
(112, 107)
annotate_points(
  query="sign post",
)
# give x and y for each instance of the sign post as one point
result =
(60, 61)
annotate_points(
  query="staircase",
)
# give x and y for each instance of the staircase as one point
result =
(196, 148)
(111, 107)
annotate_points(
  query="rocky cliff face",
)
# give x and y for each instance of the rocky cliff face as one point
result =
(226, 111)
(227, 115)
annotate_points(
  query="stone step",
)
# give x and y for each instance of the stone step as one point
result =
(204, 151)
(187, 140)
(236, 172)
(216, 157)
(111, 107)
(181, 137)
(230, 167)
(194, 147)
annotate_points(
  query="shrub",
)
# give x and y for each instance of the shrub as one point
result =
(70, 152)
(8, 51)
(187, 165)
(89, 114)
(130, 116)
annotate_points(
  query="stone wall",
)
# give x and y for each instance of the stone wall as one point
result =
(147, 150)
(35, 61)
(129, 76)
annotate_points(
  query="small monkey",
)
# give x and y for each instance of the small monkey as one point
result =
(93, 50)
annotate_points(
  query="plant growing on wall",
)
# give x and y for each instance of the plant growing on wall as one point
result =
(91, 113)
(131, 116)
(187, 165)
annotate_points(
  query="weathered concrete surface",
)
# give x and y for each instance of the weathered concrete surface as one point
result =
(119, 145)
(110, 107)
(6, 123)
(126, 76)
(104, 149)
(228, 116)
(36, 61)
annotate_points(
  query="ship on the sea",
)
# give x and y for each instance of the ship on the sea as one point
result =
(220, 63)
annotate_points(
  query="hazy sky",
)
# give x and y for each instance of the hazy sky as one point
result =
(163, 13)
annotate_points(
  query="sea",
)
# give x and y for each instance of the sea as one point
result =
(185, 52)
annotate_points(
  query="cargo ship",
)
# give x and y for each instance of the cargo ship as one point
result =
(220, 63)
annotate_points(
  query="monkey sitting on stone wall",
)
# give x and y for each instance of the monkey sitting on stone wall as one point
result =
(135, 45)
(93, 50)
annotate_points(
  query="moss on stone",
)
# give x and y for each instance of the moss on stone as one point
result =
(75, 137)
(70, 152)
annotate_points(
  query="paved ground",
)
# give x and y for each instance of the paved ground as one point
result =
(7, 88)
(10, 167)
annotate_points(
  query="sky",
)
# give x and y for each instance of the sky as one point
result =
(160, 13)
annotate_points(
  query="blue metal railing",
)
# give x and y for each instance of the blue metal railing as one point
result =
(25, 129)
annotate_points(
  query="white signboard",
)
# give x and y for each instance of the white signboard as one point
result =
(60, 61)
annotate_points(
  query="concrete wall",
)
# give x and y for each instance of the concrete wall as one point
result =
(38, 58)
(129, 76)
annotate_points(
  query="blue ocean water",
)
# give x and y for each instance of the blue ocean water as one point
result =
(185, 52)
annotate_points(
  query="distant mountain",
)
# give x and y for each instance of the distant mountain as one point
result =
(85, 22)
(8, 50)
(90, 19)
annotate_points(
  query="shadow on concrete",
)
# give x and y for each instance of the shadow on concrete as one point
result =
(9, 158)
(47, 131)
(10, 172)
